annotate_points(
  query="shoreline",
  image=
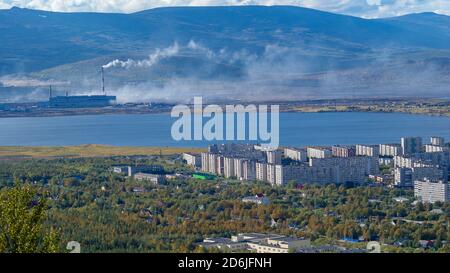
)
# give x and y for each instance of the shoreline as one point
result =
(415, 107)
(88, 150)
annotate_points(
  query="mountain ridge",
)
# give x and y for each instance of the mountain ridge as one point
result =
(240, 43)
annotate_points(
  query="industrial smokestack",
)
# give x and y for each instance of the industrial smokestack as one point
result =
(103, 81)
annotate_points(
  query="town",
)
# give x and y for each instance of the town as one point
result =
(408, 164)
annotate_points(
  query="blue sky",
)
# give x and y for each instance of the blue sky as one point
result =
(361, 8)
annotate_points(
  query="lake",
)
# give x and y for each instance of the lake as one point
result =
(296, 129)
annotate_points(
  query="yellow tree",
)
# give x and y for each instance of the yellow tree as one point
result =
(21, 216)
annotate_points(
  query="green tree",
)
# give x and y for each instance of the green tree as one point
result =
(21, 216)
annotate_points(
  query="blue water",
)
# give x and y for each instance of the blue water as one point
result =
(296, 129)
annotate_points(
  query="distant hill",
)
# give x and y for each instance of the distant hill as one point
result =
(277, 52)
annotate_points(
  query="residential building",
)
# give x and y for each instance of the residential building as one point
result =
(274, 157)
(259, 199)
(120, 169)
(434, 148)
(343, 151)
(261, 171)
(192, 160)
(239, 168)
(157, 169)
(259, 243)
(403, 177)
(318, 152)
(205, 162)
(271, 174)
(437, 141)
(228, 170)
(248, 170)
(390, 150)
(432, 192)
(411, 145)
(296, 154)
(153, 178)
(367, 150)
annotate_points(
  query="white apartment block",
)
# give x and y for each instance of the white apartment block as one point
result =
(296, 154)
(261, 171)
(205, 162)
(434, 148)
(318, 152)
(220, 165)
(343, 151)
(431, 192)
(259, 243)
(271, 175)
(437, 141)
(228, 170)
(390, 150)
(192, 160)
(212, 163)
(367, 150)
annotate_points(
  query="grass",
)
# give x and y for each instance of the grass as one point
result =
(91, 150)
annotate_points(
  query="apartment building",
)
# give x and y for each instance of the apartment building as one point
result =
(431, 192)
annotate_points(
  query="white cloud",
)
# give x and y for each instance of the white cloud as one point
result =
(362, 8)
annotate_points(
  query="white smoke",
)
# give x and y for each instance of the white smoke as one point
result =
(23, 81)
(152, 59)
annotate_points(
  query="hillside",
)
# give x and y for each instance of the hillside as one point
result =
(277, 52)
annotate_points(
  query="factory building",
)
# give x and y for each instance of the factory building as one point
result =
(81, 101)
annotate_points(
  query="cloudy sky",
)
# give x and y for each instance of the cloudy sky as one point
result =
(362, 8)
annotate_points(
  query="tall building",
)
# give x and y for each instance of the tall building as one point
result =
(437, 141)
(411, 145)
(249, 170)
(274, 157)
(367, 150)
(261, 171)
(212, 165)
(403, 177)
(271, 174)
(220, 165)
(205, 162)
(228, 170)
(434, 148)
(343, 151)
(390, 150)
(238, 168)
(296, 154)
(432, 192)
(318, 152)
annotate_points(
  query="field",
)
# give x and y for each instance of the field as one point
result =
(11, 152)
